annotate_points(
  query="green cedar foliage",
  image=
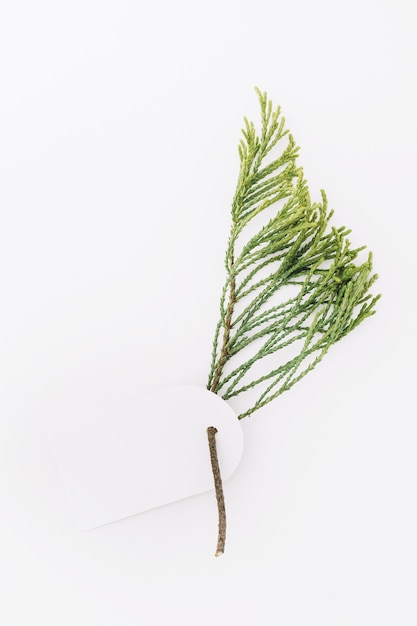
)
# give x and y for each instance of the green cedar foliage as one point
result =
(294, 286)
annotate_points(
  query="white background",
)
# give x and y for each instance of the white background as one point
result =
(119, 125)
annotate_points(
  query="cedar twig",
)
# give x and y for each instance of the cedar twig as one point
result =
(280, 241)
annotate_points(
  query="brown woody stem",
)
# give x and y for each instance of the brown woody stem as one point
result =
(224, 355)
(221, 538)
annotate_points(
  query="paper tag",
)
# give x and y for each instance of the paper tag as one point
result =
(144, 452)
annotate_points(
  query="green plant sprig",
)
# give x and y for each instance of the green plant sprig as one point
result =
(297, 249)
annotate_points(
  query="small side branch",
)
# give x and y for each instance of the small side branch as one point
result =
(221, 539)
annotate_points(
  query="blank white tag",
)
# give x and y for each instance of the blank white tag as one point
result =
(144, 452)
